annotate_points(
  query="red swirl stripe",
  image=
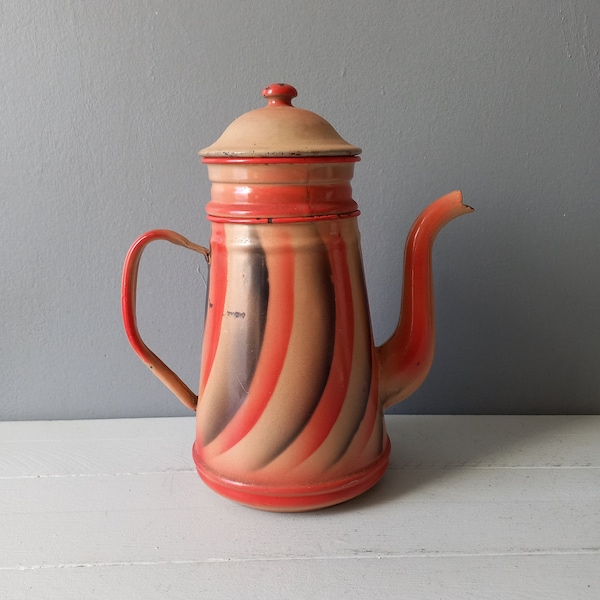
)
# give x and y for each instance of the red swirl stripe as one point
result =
(332, 399)
(277, 334)
(215, 302)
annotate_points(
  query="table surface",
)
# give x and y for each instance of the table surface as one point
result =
(470, 507)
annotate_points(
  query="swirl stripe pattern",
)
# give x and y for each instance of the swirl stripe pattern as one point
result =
(288, 393)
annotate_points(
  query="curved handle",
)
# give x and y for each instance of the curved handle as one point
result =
(128, 305)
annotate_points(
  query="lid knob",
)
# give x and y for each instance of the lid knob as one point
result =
(279, 94)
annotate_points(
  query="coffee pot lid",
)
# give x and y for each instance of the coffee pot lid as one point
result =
(279, 130)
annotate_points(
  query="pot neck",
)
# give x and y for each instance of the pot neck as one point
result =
(261, 189)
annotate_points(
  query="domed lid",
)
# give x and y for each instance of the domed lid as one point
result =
(279, 130)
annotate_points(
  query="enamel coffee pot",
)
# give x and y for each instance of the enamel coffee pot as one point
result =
(292, 389)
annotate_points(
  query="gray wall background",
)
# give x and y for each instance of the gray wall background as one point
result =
(104, 105)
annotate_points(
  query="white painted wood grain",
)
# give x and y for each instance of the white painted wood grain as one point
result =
(41, 449)
(471, 507)
(165, 517)
(517, 577)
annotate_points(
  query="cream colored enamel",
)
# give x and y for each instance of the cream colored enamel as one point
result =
(280, 129)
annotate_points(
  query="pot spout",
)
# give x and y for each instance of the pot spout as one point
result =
(405, 359)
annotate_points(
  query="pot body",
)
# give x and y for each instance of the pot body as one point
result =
(288, 415)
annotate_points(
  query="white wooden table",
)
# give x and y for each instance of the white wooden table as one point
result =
(471, 507)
